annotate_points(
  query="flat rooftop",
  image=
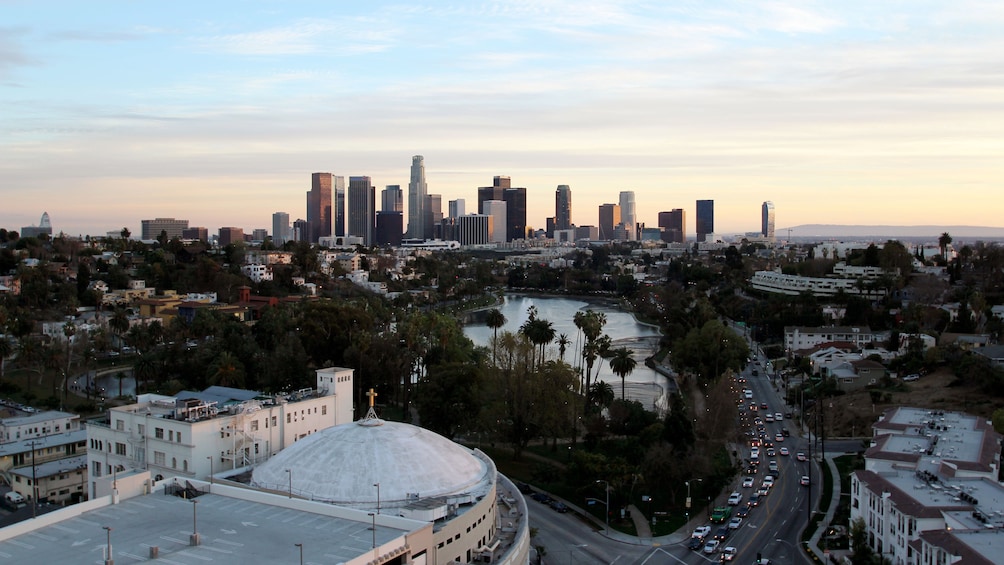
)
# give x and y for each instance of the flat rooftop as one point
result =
(232, 531)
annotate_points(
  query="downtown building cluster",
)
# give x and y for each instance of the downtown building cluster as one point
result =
(344, 214)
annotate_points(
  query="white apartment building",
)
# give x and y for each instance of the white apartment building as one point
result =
(37, 425)
(258, 273)
(195, 434)
(799, 338)
(779, 283)
(929, 493)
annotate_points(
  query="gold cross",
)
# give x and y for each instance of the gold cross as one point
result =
(372, 396)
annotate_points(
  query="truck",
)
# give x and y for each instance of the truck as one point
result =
(721, 514)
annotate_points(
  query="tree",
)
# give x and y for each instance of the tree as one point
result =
(495, 320)
(226, 370)
(6, 348)
(590, 323)
(943, 242)
(863, 553)
(563, 343)
(119, 324)
(622, 364)
(448, 398)
(540, 332)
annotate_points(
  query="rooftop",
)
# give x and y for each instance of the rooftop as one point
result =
(937, 441)
(215, 401)
(52, 467)
(25, 445)
(37, 417)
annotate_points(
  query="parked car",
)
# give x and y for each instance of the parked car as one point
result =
(541, 497)
(559, 506)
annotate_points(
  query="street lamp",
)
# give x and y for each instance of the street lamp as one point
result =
(210, 458)
(108, 552)
(290, 473)
(373, 517)
(687, 513)
(300, 545)
(606, 490)
(194, 539)
(377, 485)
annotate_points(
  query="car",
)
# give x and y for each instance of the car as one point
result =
(768, 443)
(559, 506)
(768, 481)
(763, 491)
(735, 523)
(735, 498)
(720, 514)
(787, 415)
(770, 452)
(772, 465)
(778, 437)
(911, 378)
(729, 553)
(743, 511)
(763, 406)
(800, 456)
(751, 470)
(524, 488)
(695, 544)
(756, 373)
(804, 481)
(711, 546)
(748, 393)
(778, 417)
(754, 500)
(753, 406)
(748, 482)
(722, 533)
(541, 497)
(785, 432)
(701, 532)
(784, 451)
(769, 418)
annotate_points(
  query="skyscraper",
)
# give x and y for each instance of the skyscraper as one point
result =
(391, 199)
(563, 207)
(493, 192)
(417, 191)
(674, 225)
(281, 232)
(705, 219)
(456, 207)
(338, 190)
(767, 220)
(515, 200)
(389, 227)
(319, 206)
(361, 214)
(151, 229)
(496, 209)
(610, 216)
(433, 214)
(628, 216)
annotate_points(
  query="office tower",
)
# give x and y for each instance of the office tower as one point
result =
(515, 201)
(673, 225)
(301, 230)
(628, 215)
(338, 191)
(389, 227)
(259, 234)
(151, 229)
(592, 233)
(280, 228)
(457, 207)
(474, 229)
(563, 207)
(610, 216)
(230, 235)
(195, 234)
(767, 220)
(391, 199)
(361, 214)
(549, 227)
(498, 210)
(44, 227)
(417, 191)
(705, 219)
(433, 214)
(319, 206)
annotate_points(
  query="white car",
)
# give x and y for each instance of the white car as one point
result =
(735, 523)
(711, 546)
(735, 498)
(701, 532)
(784, 451)
(748, 394)
(768, 481)
(804, 481)
(729, 553)
(778, 416)
(748, 482)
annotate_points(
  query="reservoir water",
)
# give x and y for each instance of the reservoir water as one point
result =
(643, 384)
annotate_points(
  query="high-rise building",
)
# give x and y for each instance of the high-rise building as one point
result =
(44, 227)
(301, 230)
(433, 214)
(515, 200)
(674, 225)
(705, 219)
(338, 193)
(230, 235)
(610, 216)
(389, 227)
(259, 234)
(474, 229)
(456, 208)
(319, 206)
(391, 199)
(151, 229)
(563, 207)
(417, 191)
(195, 234)
(361, 213)
(628, 215)
(767, 220)
(281, 232)
(497, 210)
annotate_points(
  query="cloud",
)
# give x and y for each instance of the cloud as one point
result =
(305, 36)
(11, 53)
(95, 36)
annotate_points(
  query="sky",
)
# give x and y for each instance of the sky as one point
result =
(850, 112)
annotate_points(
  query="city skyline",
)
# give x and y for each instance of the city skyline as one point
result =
(856, 113)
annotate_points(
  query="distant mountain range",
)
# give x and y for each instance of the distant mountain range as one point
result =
(928, 233)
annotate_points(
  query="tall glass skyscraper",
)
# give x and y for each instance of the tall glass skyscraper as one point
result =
(705, 219)
(319, 206)
(338, 192)
(417, 192)
(391, 199)
(628, 216)
(362, 215)
(767, 220)
(281, 232)
(563, 207)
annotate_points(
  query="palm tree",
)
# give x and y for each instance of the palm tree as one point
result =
(6, 348)
(622, 364)
(495, 320)
(601, 395)
(540, 332)
(944, 241)
(226, 370)
(119, 324)
(563, 343)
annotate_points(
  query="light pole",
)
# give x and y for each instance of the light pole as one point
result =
(300, 545)
(290, 473)
(210, 458)
(377, 485)
(373, 517)
(194, 539)
(606, 509)
(108, 552)
(688, 496)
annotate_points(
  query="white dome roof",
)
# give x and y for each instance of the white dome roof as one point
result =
(341, 464)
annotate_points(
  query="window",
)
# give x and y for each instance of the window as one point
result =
(254, 425)
(158, 458)
(158, 433)
(289, 418)
(324, 410)
(178, 437)
(120, 448)
(141, 428)
(174, 462)
(274, 421)
(170, 435)
(184, 465)
(119, 425)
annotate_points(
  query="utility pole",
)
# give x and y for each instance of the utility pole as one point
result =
(34, 483)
